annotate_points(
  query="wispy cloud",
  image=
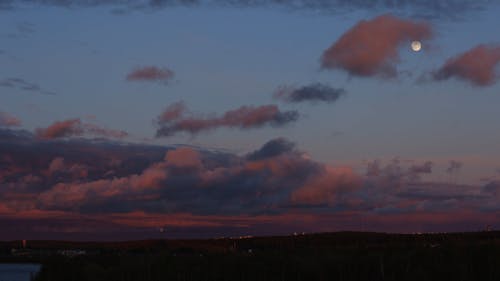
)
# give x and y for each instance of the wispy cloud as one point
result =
(175, 119)
(23, 29)
(151, 74)
(450, 9)
(316, 92)
(21, 84)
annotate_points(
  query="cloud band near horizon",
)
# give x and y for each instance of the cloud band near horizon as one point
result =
(152, 185)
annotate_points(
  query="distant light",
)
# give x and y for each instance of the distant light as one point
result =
(416, 46)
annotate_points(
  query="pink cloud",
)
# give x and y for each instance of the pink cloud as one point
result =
(151, 73)
(370, 48)
(476, 66)
(77, 171)
(325, 188)
(184, 157)
(74, 195)
(172, 112)
(61, 129)
(8, 120)
(56, 165)
(173, 119)
(75, 127)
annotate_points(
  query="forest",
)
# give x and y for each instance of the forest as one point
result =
(332, 256)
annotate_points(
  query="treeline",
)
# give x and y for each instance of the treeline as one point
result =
(344, 257)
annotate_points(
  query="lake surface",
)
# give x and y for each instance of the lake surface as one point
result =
(18, 271)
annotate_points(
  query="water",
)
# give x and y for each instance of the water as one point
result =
(18, 271)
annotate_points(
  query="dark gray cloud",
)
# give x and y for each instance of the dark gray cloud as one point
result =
(416, 170)
(175, 119)
(454, 167)
(315, 92)
(492, 188)
(272, 148)
(451, 9)
(22, 84)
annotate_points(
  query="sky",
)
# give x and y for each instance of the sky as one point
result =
(211, 118)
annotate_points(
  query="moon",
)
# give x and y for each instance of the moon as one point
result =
(416, 46)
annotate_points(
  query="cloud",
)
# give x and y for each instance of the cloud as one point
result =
(21, 84)
(7, 120)
(450, 9)
(395, 174)
(271, 149)
(60, 169)
(454, 167)
(92, 186)
(415, 171)
(185, 182)
(151, 74)
(96, 130)
(425, 168)
(173, 112)
(360, 53)
(61, 129)
(26, 27)
(477, 66)
(174, 120)
(23, 30)
(328, 188)
(75, 127)
(184, 157)
(316, 92)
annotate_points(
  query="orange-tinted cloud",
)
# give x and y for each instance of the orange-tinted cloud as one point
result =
(370, 48)
(477, 66)
(151, 73)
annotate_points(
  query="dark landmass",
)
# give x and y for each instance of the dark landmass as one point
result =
(329, 256)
